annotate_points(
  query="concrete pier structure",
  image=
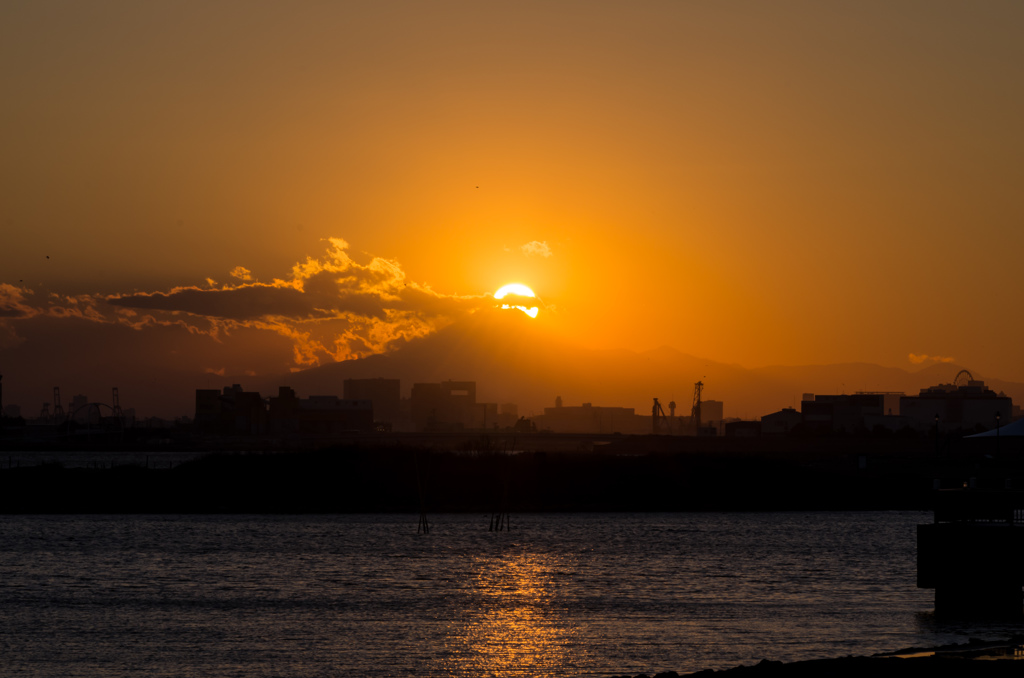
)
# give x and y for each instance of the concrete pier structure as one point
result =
(973, 554)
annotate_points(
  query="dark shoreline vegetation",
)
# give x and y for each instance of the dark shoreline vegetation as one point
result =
(634, 474)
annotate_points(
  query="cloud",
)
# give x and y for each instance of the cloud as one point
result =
(536, 248)
(13, 303)
(234, 303)
(923, 358)
(328, 308)
(17, 306)
(519, 300)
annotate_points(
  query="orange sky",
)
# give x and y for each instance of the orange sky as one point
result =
(749, 182)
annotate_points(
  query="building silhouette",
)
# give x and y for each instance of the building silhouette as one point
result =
(712, 414)
(385, 394)
(780, 423)
(317, 416)
(234, 411)
(447, 406)
(951, 407)
(231, 411)
(840, 413)
(485, 416)
(587, 418)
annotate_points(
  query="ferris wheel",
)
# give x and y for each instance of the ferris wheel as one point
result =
(963, 378)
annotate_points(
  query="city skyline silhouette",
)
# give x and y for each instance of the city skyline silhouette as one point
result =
(795, 185)
(511, 357)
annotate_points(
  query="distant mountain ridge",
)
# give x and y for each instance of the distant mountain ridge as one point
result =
(513, 358)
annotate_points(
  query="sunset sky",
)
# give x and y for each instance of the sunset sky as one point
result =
(244, 187)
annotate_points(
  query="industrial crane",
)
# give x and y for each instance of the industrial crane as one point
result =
(695, 412)
(657, 415)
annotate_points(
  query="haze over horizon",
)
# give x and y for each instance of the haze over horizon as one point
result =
(253, 189)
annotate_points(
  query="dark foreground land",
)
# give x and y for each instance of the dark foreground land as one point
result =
(975, 658)
(871, 667)
(632, 474)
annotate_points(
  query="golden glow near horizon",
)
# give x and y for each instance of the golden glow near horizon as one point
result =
(680, 176)
(520, 290)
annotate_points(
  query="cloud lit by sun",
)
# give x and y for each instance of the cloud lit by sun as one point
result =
(519, 290)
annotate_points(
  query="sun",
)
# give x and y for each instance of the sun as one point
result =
(519, 290)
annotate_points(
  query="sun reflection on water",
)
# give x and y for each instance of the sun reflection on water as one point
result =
(513, 621)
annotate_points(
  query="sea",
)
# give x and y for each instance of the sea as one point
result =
(366, 595)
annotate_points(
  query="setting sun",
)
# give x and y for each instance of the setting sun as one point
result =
(519, 290)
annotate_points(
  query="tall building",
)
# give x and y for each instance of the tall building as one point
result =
(450, 405)
(426, 406)
(231, 411)
(317, 416)
(385, 394)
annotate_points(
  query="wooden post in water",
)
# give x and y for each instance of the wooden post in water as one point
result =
(500, 521)
(423, 527)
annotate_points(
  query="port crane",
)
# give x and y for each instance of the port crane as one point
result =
(695, 412)
(657, 416)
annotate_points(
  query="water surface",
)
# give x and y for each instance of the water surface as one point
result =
(559, 595)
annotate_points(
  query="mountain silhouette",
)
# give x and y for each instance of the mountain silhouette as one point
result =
(514, 358)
